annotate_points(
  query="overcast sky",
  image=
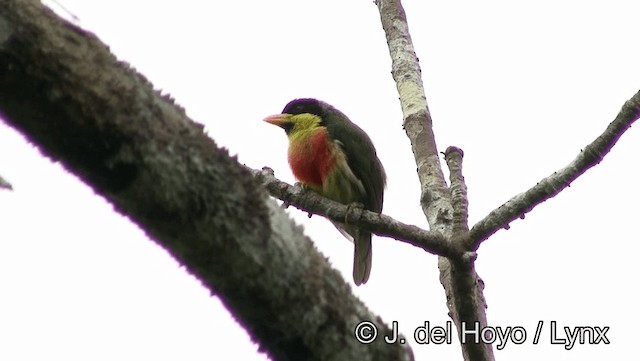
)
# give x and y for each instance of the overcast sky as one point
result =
(520, 88)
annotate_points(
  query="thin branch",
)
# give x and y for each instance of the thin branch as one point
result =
(380, 224)
(458, 190)
(550, 186)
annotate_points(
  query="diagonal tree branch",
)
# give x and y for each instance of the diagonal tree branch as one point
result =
(63, 89)
(548, 187)
(380, 224)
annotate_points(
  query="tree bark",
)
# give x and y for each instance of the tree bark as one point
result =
(63, 89)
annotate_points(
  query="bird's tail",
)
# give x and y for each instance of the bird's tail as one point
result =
(361, 257)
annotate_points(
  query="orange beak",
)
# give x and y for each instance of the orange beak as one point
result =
(277, 119)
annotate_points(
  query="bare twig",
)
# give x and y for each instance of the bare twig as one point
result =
(458, 190)
(380, 224)
(548, 187)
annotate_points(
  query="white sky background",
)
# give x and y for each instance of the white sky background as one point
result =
(521, 88)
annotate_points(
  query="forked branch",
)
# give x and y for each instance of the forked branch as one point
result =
(460, 281)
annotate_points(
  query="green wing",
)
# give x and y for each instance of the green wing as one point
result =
(361, 155)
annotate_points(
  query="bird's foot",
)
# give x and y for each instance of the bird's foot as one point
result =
(300, 187)
(305, 188)
(351, 207)
(297, 189)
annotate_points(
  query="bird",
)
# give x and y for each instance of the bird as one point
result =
(332, 156)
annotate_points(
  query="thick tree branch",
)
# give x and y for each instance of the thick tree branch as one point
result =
(380, 224)
(548, 187)
(63, 89)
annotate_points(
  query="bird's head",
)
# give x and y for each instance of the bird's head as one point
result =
(299, 116)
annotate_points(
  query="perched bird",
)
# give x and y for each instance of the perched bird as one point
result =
(334, 157)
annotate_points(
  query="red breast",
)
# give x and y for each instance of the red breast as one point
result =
(311, 158)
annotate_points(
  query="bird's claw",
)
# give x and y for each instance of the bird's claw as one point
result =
(357, 205)
(301, 188)
(297, 188)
